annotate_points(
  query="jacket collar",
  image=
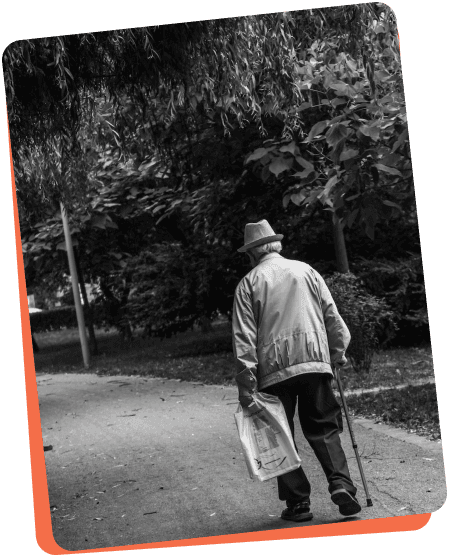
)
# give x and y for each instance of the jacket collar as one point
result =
(272, 255)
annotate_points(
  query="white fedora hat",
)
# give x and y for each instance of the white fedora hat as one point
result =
(258, 233)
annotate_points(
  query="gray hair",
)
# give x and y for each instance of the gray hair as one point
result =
(259, 251)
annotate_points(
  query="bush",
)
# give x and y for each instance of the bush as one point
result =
(162, 291)
(64, 318)
(367, 317)
(401, 283)
(175, 287)
(53, 320)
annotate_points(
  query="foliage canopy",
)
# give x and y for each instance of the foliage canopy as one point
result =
(163, 141)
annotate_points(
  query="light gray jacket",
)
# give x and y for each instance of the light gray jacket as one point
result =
(285, 322)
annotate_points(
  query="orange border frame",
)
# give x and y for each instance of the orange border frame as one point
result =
(44, 532)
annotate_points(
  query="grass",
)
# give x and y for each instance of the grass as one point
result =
(392, 367)
(207, 358)
(412, 408)
(190, 356)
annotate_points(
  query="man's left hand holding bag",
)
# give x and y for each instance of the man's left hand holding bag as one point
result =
(247, 385)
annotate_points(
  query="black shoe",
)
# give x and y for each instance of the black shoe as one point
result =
(297, 513)
(346, 502)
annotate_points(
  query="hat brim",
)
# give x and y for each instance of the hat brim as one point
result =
(260, 241)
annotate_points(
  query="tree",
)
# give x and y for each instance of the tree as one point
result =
(237, 70)
(148, 138)
(351, 154)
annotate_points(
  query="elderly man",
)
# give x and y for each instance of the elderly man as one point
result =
(287, 334)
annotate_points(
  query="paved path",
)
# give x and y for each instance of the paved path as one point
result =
(140, 460)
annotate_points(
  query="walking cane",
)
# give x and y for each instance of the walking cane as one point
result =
(369, 502)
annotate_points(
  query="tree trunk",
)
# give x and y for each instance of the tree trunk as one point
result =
(35, 344)
(127, 330)
(88, 309)
(340, 247)
(115, 309)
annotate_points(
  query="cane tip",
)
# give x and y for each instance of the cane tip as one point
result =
(369, 503)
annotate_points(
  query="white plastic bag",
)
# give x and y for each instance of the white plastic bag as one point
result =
(266, 438)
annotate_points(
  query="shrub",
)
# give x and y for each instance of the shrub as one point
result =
(53, 320)
(366, 316)
(162, 291)
(401, 283)
(175, 287)
(64, 318)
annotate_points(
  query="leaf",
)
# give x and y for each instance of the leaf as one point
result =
(338, 118)
(337, 150)
(353, 197)
(265, 159)
(298, 198)
(305, 164)
(265, 174)
(370, 131)
(382, 75)
(157, 208)
(352, 64)
(352, 217)
(336, 133)
(327, 188)
(343, 89)
(371, 218)
(400, 140)
(304, 85)
(337, 102)
(280, 164)
(290, 148)
(311, 177)
(349, 154)
(286, 200)
(317, 129)
(338, 199)
(99, 222)
(302, 174)
(388, 169)
(369, 229)
(303, 106)
(175, 203)
(257, 154)
(391, 204)
(392, 160)
(314, 195)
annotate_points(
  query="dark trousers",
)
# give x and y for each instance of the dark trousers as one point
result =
(321, 421)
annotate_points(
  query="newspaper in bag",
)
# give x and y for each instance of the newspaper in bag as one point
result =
(266, 438)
